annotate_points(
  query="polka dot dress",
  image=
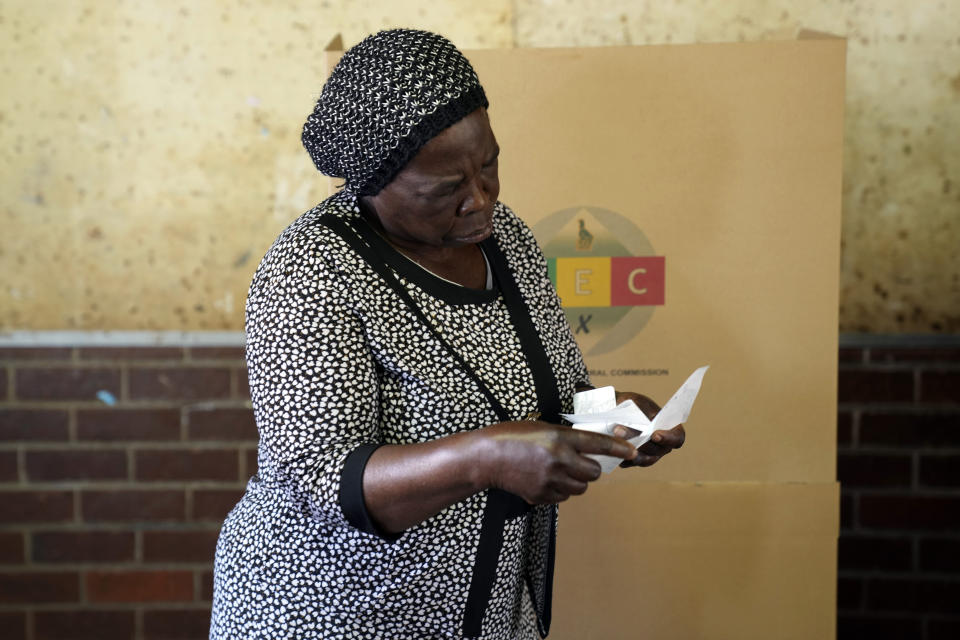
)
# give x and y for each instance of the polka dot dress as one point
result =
(338, 362)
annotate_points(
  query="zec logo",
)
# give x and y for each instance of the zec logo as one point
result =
(608, 276)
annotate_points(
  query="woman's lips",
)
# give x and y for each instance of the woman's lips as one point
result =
(478, 235)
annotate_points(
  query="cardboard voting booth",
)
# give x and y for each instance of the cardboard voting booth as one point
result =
(688, 200)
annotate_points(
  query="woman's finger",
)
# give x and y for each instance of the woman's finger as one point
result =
(642, 460)
(571, 487)
(589, 442)
(651, 448)
(625, 432)
(671, 438)
(584, 469)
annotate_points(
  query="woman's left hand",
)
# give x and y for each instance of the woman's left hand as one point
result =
(660, 444)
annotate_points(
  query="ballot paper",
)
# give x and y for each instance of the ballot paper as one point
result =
(597, 410)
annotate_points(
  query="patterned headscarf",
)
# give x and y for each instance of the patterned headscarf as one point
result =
(385, 99)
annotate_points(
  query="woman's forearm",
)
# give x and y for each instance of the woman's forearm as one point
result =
(404, 485)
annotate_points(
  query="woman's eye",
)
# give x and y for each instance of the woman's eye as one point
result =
(444, 193)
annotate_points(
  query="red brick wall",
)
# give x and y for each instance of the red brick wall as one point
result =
(110, 506)
(899, 465)
(109, 514)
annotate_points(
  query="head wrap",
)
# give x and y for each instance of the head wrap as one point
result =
(386, 98)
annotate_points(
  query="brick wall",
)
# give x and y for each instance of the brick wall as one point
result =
(899, 465)
(117, 467)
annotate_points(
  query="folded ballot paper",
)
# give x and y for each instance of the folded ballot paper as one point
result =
(597, 410)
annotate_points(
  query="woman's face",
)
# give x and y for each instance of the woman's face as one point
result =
(444, 197)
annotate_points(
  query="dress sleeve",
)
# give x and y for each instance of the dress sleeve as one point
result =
(313, 380)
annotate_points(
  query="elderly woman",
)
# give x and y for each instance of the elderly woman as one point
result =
(408, 362)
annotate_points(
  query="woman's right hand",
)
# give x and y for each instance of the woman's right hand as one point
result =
(404, 484)
(542, 462)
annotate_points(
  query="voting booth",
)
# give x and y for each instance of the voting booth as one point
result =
(687, 198)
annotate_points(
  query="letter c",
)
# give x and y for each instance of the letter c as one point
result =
(633, 288)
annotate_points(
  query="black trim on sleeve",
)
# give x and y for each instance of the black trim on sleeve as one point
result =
(351, 493)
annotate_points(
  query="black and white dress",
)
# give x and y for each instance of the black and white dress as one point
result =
(351, 345)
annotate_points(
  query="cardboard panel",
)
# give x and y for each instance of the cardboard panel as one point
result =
(724, 162)
(689, 560)
(688, 201)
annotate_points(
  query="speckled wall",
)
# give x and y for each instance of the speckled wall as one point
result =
(149, 151)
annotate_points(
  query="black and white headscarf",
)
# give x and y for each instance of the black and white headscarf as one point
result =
(384, 100)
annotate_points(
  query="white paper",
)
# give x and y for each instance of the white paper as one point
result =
(592, 413)
(595, 400)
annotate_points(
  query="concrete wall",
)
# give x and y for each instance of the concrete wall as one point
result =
(149, 151)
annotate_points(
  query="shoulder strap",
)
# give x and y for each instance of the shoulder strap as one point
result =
(545, 382)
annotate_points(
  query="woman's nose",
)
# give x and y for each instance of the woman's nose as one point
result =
(477, 199)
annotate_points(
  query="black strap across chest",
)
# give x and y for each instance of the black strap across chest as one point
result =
(501, 505)
(365, 241)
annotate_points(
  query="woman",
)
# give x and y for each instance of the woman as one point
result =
(403, 338)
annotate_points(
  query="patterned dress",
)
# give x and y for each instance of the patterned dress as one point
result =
(340, 361)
